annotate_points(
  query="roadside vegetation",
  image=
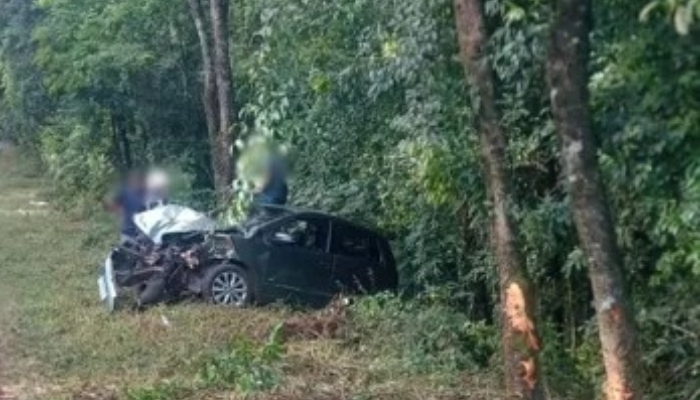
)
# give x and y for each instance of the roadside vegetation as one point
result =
(59, 343)
(535, 164)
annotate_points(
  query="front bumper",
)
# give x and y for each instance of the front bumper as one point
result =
(107, 286)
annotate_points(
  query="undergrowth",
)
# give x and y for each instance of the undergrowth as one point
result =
(245, 367)
(418, 338)
(162, 391)
(59, 343)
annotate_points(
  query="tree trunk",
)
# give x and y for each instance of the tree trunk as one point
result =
(520, 341)
(122, 140)
(222, 67)
(117, 146)
(209, 94)
(567, 78)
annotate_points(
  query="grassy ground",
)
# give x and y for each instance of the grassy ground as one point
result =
(56, 342)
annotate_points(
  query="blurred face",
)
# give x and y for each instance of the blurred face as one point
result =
(157, 181)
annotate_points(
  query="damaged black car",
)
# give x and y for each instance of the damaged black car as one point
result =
(278, 254)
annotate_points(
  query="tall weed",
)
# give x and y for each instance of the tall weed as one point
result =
(413, 337)
(246, 368)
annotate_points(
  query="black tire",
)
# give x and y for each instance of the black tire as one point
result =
(151, 293)
(227, 285)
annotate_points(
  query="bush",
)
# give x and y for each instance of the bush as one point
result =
(77, 162)
(572, 370)
(413, 337)
(184, 187)
(246, 368)
(671, 343)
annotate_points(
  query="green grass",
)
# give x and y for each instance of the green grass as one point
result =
(56, 342)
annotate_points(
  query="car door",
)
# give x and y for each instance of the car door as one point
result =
(356, 257)
(299, 266)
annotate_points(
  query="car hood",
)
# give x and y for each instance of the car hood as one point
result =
(171, 219)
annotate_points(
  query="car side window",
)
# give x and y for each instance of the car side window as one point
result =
(354, 243)
(304, 233)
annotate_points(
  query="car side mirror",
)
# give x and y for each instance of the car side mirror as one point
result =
(282, 238)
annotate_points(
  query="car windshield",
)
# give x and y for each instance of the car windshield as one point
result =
(262, 215)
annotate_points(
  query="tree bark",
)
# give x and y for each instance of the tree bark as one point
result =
(222, 67)
(116, 145)
(567, 77)
(217, 94)
(209, 93)
(521, 344)
(122, 140)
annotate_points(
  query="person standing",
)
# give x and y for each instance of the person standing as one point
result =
(129, 201)
(273, 190)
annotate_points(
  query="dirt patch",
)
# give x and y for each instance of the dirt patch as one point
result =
(323, 324)
(95, 394)
(24, 391)
(6, 393)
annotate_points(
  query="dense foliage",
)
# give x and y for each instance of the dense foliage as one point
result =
(371, 101)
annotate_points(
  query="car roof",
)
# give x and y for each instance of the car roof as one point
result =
(276, 212)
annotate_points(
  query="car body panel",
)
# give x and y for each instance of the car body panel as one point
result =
(287, 271)
(171, 219)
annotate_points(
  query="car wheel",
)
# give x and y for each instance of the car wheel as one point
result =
(150, 293)
(227, 285)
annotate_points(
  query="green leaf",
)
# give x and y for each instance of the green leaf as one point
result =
(682, 19)
(515, 12)
(646, 11)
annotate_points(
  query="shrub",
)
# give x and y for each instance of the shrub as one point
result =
(246, 368)
(77, 162)
(413, 337)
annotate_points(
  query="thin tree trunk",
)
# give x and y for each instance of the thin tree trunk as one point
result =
(521, 344)
(209, 94)
(116, 145)
(222, 68)
(568, 79)
(122, 138)
(147, 144)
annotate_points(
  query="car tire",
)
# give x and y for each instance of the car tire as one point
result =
(227, 285)
(150, 293)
